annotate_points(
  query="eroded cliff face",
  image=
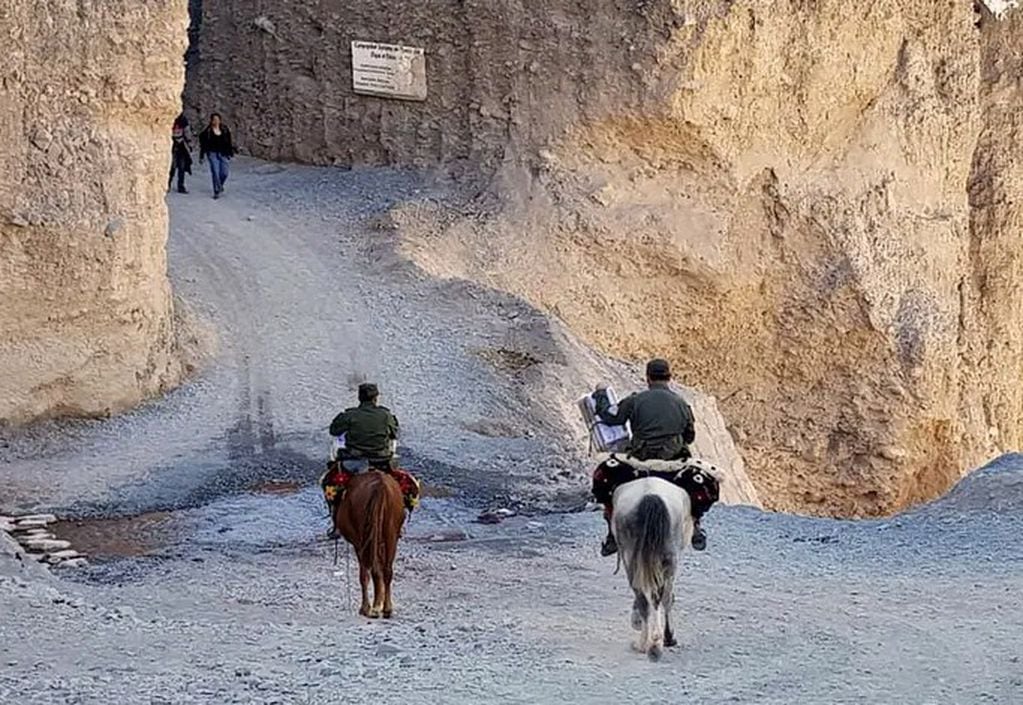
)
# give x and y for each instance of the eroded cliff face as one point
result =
(87, 94)
(819, 225)
(992, 310)
(810, 207)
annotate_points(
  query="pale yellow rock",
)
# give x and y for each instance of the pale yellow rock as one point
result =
(87, 95)
(825, 235)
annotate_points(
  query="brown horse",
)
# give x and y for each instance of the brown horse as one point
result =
(370, 517)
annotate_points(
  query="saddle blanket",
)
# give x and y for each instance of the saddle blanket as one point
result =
(335, 481)
(700, 479)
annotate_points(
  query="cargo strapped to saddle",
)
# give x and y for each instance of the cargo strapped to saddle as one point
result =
(603, 438)
(698, 478)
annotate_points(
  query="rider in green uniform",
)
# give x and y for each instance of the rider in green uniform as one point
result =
(369, 429)
(662, 428)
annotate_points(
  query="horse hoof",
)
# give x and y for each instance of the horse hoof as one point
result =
(387, 614)
(654, 653)
(364, 611)
(670, 641)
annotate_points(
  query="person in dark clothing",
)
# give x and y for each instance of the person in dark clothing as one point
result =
(215, 143)
(370, 432)
(662, 428)
(370, 429)
(181, 153)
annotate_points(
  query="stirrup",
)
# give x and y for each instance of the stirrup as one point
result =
(699, 540)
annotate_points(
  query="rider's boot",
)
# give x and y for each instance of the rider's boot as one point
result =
(699, 537)
(610, 546)
(333, 534)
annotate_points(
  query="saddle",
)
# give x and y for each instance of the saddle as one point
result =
(697, 477)
(339, 473)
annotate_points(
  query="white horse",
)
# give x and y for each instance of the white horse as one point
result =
(652, 522)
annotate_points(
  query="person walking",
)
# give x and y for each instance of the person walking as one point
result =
(215, 143)
(181, 153)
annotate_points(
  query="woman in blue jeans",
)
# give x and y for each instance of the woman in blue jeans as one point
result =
(215, 143)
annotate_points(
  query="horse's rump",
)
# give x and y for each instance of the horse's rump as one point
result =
(652, 522)
(374, 502)
(370, 517)
(649, 533)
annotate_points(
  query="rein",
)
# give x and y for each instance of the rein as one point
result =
(348, 564)
(348, 568)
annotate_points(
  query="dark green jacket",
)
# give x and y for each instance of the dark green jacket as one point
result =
(368, 428)
(661, 421)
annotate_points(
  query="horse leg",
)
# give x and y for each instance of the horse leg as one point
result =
(388, 605)
(388, 573)
(669, 633)
(364, 582)
(643, 640)
(640, 610)
(641, 614)
(655, 629)
(660, 629)
(378, 594)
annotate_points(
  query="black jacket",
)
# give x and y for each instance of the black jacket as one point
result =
(662, 422)
(210, 143)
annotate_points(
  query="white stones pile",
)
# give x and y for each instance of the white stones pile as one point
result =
(39, 542)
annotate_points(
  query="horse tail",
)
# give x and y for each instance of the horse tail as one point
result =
(376, 519)
(653, 559)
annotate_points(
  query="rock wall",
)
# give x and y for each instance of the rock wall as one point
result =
(809, 207)
(819, 225)
(992, 293)
(500, 75)
(87, 94)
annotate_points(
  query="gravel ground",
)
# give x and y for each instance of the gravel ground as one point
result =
(229, 596)
(245, 606)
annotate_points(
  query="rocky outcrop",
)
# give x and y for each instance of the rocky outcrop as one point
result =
(87, 91)
(992, 292)
(818, 223)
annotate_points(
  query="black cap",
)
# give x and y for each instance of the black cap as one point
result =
(367, 391)
(658, 369)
